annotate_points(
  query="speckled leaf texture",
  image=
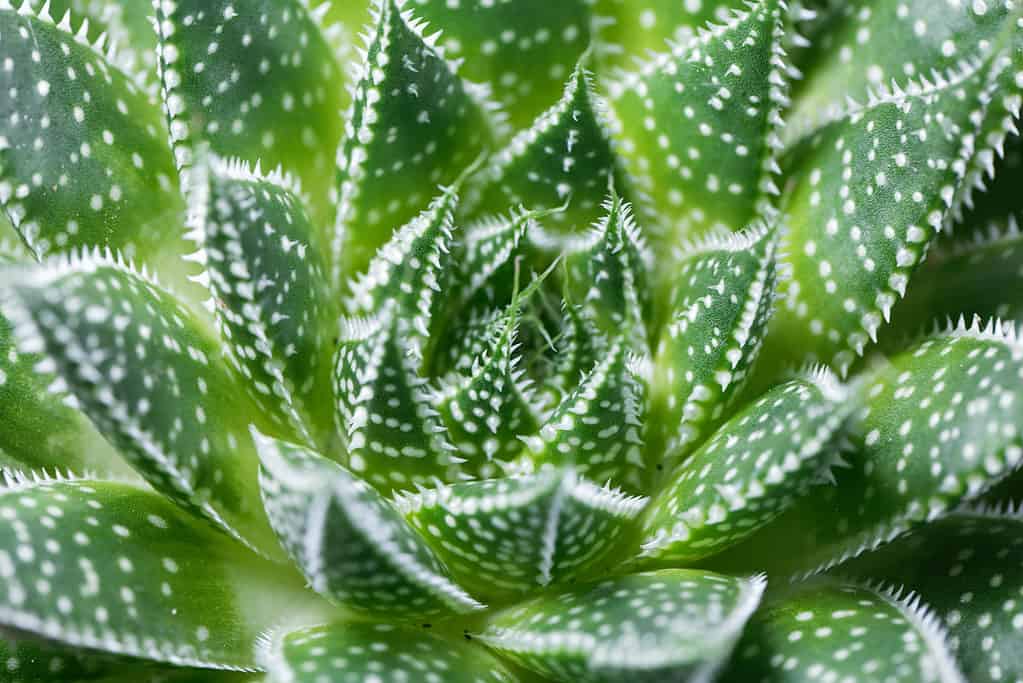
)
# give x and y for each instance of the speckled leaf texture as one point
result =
(511, 341)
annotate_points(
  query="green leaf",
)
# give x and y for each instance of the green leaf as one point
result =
(578, 349)
(566, 156)
(996, 197)
(351, 544)
(39, 430)
(699, 126)
(610, 273)
(723, 300)
(487, 408)
(255, 81)
(632, 28)
(269, 284)
(671, 625)
(112, 567)
(394, 437)
(152, 379)
(29, 659)
(523, 50)
(384, 653)
(898, 165)
(866, 45)
(967, 568)
(598, 428)
(830, 631)
(509, 536)
(931, 428)
(762, 460)
(414, 124)
(407, 271)
(84, 159)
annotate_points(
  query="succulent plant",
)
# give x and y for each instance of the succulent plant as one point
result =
(585, 340)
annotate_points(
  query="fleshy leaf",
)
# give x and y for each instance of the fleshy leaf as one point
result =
(830, 631)
(966, 568)
(253, 81)
(578, 349)
(352, 545)
(610, 274)
(382, 653)
(414, 124)
(84, 159)
(670, 625)
(699, 125)
(408, 270)
(509, 536)
(524, 50)
(632, 28)
(853, 48)
(931, 428)
(566, 156)
(115, 568)
(487, 408)
(899, 165)
(394, 437)
(151, 378)
(270, 294)
(723, 300)
(765, 457)
(598, 428)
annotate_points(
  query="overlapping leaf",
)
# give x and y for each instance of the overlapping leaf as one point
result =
(898, 165)
(723, 300)
(523, 50)
(966, 568)
(152, 379)
(830, 631)
(675, 625)
(115, 568)
(414, 124)
(699, 125)
(253, 81)
(271, 297)
(84, 159)
(932, 427)
(764, 458)
(358, 653)
(352, 545)
(506, 537)
(566, 156)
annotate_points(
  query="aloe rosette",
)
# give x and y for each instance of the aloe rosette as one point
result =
(589, 340)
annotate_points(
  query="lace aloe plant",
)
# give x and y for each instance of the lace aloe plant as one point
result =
(588, 340)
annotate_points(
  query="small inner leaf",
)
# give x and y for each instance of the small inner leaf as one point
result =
(252, 80)
(671, 625)
(147, 372)
(830, 631)
(763, 458)
(84, 159)
(598, 428)
(699, 125)
(565, 156)
(347, 652)
(509, 536)
(723, 300)
(351, 544)
(414, 124)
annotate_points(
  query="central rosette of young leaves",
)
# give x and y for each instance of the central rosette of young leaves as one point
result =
(500, 381)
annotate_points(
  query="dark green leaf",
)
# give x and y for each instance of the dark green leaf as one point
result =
(505, 537)
(84, 159)
(672, 625)
(351, 544)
